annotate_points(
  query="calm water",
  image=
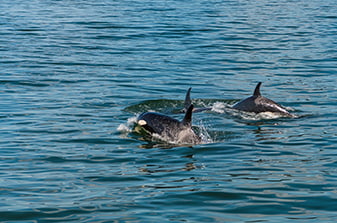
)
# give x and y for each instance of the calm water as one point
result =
(74, 74)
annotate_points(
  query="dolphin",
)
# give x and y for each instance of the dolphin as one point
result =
(257, 103)
(169, 129)
(188, 102)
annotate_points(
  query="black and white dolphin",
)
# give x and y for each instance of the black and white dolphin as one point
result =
(169, 129)
(257, 104)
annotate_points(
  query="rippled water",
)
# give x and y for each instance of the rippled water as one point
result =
(74, 73)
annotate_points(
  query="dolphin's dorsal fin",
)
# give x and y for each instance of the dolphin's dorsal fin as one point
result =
(188, 116)
(257, 90)
(188, 100)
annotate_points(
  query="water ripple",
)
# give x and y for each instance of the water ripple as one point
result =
(74, 73)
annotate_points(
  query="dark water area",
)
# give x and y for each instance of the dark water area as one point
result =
(74, 75)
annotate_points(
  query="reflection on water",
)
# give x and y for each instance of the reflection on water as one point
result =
(264, 134)
(158, 169)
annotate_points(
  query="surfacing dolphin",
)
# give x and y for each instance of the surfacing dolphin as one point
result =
(257, 103)
(188, 102)
(169, 129)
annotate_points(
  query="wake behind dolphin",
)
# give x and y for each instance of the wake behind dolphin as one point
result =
(169, 129)
(258, 104)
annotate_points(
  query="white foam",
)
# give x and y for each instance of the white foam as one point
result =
(123, 128)
(127, 127)
(132, 120)
(219, 107)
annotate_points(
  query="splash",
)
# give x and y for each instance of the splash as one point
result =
(219, 107)
(128, 126)
(185, 137)
(204, 134)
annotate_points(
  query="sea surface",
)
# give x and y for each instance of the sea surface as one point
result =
(74, 75)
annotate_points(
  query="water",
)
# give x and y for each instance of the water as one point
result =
(74, 72)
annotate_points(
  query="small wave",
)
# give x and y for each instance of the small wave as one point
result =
(168, 106)
(160, 105)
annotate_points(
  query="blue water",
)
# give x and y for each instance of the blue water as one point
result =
(74, 74)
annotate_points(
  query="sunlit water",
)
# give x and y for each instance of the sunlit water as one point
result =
(75, 75)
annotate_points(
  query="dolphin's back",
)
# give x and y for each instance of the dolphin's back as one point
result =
(247, 104)
(257, 103)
